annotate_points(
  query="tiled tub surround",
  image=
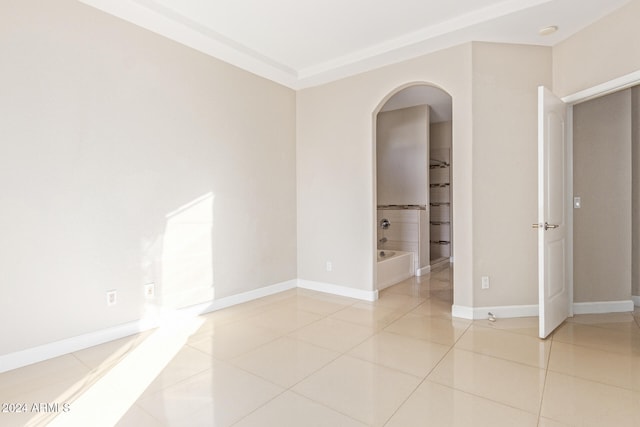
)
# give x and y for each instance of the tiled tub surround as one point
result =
(408, 231)
(306, 358)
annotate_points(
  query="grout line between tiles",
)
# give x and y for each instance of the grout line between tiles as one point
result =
(502, 359)
(591, 380)
(591, 347)
(426, 377)
(479, 396)
(290, 388)
(81, 361)
(328, 407)
(297, 382)
(421, 382)
(259, 407)
(600, 326)
(544, 383)
(405, 401)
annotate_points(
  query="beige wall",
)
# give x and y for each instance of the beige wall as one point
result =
(335, 166)
(128, 158)
(116, 142)
(335, 173)
(602, 178)
(505, 81)
(635, 187)
(603, 51)
(494, 183)
(402, 155)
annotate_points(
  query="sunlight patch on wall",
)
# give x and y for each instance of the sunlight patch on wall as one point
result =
(187, 259)
(180, 262)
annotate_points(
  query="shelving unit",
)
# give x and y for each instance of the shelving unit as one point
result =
(439, 205)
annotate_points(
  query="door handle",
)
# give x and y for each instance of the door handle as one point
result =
(546, 226)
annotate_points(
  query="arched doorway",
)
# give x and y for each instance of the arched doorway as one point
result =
(412, 183)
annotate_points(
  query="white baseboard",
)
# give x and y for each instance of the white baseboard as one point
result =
(504, 311)
(48, 351)
(422, 271)
(338, 290)
(602, 307)
(37, 354)
(462, 312)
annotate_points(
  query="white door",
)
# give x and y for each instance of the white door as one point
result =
(553, 244)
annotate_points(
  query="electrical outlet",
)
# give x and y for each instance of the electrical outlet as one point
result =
(329, 266)
(150, 290)
(112, 297)
(485, 282)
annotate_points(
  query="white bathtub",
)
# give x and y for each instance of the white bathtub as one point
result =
(394, 267)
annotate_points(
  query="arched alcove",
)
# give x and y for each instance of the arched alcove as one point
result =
(412, 150)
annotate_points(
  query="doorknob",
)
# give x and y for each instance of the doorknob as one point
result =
(546, 226)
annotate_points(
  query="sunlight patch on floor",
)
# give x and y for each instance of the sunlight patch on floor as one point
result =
(115, 391)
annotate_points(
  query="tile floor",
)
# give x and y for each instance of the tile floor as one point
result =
(302, 358)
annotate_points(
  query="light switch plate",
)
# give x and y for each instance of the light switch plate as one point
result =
(577, 202)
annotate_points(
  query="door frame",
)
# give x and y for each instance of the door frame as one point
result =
(602, 89)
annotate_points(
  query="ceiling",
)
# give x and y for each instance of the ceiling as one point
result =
(302, 43)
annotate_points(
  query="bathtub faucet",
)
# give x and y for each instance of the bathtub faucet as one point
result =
(383, 240)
